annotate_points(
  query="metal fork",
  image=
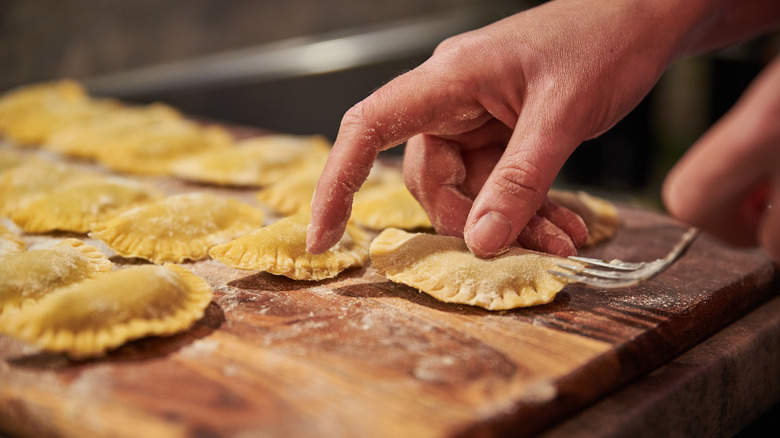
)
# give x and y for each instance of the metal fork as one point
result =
(617, 273)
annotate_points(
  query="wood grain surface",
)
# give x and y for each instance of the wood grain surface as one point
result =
(359, 356)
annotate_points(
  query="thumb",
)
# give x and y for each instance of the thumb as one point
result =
(515, 190)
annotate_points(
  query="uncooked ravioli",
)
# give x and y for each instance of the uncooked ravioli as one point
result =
(177, 228)
(150, 151)
(256, 161)
(388, 206)
(76, 207)
(292, 193)
(27, 276)
(93, 316)
(280, 249)
(10, 158)
(29, 113)
(31, 180)
(10, 243)
(85, 139)
(446, 269)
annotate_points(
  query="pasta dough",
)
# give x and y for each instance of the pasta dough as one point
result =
(388, 206)
(292, 194)
(445, 268)
(257, 161)
(280, 249)
(177, 228)
(150, 151)
(30, 114)
(27, 276)
(85, 139)
(9, 159)
(75, 208)
(93, 316)
(10, 243)
(29, 181)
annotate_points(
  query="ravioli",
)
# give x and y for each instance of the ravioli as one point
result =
(292, 194)
(9, 159)
(30, 115)
(20, 106)
(177, 228)
(27, 276)
(600, 216)
(76, 207)
(151, 150)
(280, 249)
(446, 269)
(29, 181)
(10, 243)
(257, 161)
(85, 139)
(91, 317)
(388, 206)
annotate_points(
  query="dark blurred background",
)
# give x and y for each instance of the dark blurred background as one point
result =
(297, 66)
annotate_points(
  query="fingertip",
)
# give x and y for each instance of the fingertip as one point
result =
(322, 237)
(490, 235)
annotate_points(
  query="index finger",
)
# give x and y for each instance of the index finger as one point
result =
(411, 104)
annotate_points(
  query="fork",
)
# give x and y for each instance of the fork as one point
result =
(617, 273)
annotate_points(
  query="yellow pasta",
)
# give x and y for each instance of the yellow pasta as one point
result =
(446, 269)
(150, 151)
(29, 115)
(280, 249)
(10, 243)
(27, 276)
(76, 207)
(257, 161)
(22, 185)
(292, 194)
(177, 228)
(91, 317)
(85, 139)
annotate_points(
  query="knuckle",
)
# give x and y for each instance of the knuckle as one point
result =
(357, 124)
(521, 181)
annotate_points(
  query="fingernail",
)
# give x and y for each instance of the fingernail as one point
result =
(490, 234)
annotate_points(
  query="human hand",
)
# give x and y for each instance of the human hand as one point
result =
(728, 183)
(492, 116)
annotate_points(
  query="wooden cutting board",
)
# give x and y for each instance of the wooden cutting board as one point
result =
(359, 356)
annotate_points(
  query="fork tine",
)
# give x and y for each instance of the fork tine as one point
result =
(614, 264)
(606, 283)
(616, 273)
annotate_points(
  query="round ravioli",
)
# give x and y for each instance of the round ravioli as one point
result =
(388, 206)
(27, 276)
(27, 182)
(75, 208)
(9, 159)
(150, 151)
(85, 139)
(177, 228)
(446, 269)
(280, 249)
(292, 194)
(93, 316)
(10, 243)
(257, 161)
